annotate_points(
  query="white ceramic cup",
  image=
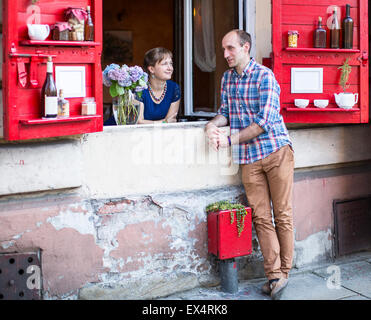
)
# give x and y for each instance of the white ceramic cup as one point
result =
(301, 103)
(38, 31)
(320, 103)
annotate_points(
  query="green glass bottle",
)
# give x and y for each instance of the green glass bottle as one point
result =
(348, 29)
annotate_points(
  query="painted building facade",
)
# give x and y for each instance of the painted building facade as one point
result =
(120, 214)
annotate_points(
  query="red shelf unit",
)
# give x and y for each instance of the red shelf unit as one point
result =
(21, 97)
(285, 17)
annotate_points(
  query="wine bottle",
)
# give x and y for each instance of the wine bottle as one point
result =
(335, 31)
(49, 94)
(320, 35)
(347, 29)
(89, 27)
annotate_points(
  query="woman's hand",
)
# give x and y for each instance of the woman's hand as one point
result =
(171, 118)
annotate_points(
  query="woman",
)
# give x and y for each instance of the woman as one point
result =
(160, 102)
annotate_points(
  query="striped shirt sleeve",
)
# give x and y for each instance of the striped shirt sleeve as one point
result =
(269, 111)
(224, 109)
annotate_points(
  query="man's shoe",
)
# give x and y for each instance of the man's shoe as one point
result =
(266, 289)
(277, 288)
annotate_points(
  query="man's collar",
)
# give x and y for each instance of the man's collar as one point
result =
(247, 69)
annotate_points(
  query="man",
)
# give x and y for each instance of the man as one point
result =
(260, 143)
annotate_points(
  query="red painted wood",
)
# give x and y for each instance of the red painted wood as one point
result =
(322, 50)
(302, 16)
(331, 108)
(22, 107)
(59, 43)
(58, 120)
(223, 240)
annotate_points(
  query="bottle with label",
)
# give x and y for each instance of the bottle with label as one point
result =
(63, 105)
(320, 35)
(347, 29)
(49, 94)
(89, 27)
(334, 30)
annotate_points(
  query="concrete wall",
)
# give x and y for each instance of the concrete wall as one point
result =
(131, 202)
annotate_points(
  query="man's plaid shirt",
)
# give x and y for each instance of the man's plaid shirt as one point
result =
(253, 97)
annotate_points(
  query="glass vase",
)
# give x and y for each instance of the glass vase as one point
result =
(125, 109)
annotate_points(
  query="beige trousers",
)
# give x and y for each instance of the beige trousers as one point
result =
(270, 181)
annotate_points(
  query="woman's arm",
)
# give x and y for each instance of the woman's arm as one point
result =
(141, 119)
(173, 112)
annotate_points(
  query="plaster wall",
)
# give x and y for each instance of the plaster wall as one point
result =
(162, 158)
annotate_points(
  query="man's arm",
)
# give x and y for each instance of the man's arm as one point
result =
(247, 134)
(217, 121)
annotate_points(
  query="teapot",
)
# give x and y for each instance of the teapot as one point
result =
(38, 31)
(346, 100)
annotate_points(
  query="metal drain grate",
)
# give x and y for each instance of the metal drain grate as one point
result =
(352, 225)
(20, 276)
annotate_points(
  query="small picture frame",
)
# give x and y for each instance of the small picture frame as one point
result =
(306, 80)
(72, 80)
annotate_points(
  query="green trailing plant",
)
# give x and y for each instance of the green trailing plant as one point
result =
(344, 76)
(228, 205)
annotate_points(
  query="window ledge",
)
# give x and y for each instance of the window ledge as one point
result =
(189, 124)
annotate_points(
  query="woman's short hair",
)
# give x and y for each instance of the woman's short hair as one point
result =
(155, 55)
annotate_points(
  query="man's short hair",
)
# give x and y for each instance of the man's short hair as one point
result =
(244, 37)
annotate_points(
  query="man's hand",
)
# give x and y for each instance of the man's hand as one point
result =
(212, 132)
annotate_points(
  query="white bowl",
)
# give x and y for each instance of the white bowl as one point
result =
(301, 103)
(321, 103)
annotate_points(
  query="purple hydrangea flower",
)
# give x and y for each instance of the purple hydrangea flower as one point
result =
(136, 73)
(106, 79)
(127, 77)
(124, 79)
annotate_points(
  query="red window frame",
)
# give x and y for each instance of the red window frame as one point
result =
(302, 16)
(24, 70)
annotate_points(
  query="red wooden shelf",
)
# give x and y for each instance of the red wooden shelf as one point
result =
(58, 120)
(59, 43)
(323, 109)
(322, 50)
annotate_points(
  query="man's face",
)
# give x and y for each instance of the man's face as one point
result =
(233, 52)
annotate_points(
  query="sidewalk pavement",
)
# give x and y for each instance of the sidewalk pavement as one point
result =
(346, 278)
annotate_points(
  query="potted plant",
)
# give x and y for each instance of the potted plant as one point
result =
(229, 229)
(345, 100)
(124, 82)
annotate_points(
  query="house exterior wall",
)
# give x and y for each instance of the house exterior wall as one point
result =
(117, 208)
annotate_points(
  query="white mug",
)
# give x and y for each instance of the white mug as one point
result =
(38, 31)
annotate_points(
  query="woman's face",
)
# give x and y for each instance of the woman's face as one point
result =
(163, 70)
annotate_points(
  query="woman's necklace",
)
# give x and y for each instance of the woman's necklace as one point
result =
(155, 99)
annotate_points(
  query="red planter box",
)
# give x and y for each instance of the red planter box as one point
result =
(223, 239)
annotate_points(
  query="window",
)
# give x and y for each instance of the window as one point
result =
(205, 24)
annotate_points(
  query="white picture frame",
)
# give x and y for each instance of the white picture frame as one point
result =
(72, 79)
(306, 80)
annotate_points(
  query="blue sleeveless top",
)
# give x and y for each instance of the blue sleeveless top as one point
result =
(158, 111)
